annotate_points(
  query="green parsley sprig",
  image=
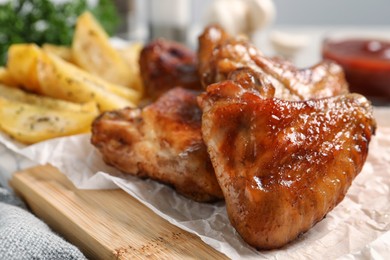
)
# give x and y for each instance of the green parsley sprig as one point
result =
(44, 21)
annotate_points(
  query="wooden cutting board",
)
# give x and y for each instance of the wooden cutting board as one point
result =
(105, 224)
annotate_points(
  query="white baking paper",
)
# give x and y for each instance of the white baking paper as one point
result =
(358, 228)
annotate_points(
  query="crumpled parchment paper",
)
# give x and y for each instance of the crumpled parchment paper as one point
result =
(358, 228)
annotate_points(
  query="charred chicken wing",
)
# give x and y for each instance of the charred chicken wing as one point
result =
(163, 142)
(166, 64)
(219, 55)
(282, 165)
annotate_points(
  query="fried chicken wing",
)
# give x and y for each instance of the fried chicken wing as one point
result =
(209, 40)
(166, 64)
(282, 165)
(220, 54)
(162, 141)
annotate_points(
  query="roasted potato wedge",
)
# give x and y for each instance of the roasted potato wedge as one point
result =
(46, 74)
(6, 78)
(22, 64)
(93, 52)
(14, 94)
(63, 52)
(131, 55)
(31, 123)
(58, 91)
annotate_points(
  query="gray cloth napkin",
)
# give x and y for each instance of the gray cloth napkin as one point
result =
(23, 236)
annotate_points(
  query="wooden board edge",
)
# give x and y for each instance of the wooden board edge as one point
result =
(46, 210)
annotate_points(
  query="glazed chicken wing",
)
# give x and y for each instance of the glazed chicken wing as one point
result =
(282, 165)
(162, 141)
(166, 64)
(219, 55)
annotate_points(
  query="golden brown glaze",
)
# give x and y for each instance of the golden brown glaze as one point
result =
(163, 142)
(282, 165)
(166, 64)
(210, 39)
(325, 79)
(219, 55)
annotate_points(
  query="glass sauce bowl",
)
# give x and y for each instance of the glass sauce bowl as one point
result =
(366, 63)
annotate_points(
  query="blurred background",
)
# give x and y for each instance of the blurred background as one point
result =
(330, 12)
(297, 12)
(301, 25)
(294, 30)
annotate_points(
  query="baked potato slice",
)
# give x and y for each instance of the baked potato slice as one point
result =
(18, 95)
(131, 54)
(31, 123)
(63, 52)
(6, 78)
(46, 74)
(93, 52)
(22, 64)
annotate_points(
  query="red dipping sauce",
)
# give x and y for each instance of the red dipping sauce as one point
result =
(366, 64)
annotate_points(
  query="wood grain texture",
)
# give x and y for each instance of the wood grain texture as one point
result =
(105, 224)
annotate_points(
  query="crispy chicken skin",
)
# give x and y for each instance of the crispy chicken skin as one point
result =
(219, 55)
(163, 142)
(166, 64)
(209, 40)
(282, 165)
(281, 145)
